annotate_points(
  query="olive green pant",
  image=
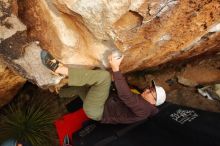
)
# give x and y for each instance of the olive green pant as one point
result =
(93, 88)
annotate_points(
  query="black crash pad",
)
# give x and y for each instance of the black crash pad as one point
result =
(174, 125)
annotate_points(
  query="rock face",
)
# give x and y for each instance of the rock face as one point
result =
(203, 70)
(149, 33)
(10, 83)
(84, 32)
(64, 36)
(199, 74)
(18, 54)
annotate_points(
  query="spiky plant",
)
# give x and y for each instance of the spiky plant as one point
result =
(30, 121)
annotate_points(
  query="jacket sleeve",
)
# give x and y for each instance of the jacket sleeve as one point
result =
(131, 100)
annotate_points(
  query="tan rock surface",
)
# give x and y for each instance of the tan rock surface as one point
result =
(84, 32)
(10, 83)
(99, 16)
(149, 33)
(181, 31)
(204, 72)
(20, 52)
(19, 56)
(196, 71)
(63, 35)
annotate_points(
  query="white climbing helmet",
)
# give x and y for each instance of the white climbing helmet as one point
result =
(160, 93)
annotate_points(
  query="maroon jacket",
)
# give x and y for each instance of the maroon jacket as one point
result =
(125, 106)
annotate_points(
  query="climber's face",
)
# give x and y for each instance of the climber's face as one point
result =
(149, 95)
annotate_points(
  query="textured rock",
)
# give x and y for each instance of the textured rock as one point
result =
(66, 37)
(99, 16)
(202, 73)
(10, 83)
(10, 26)
(189, 97)
(217, 89)
(2, 67)
(149, 33)
(201, 70)
(179, 33)
(32, 68)
(19, 55)
(83, 32)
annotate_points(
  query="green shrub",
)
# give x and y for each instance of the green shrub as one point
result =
(30, 121)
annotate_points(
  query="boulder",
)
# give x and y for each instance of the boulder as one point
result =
(217, 89)
(83, 33)
(205, 72)
(19, 56)
(10, 83)
(148, 33)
